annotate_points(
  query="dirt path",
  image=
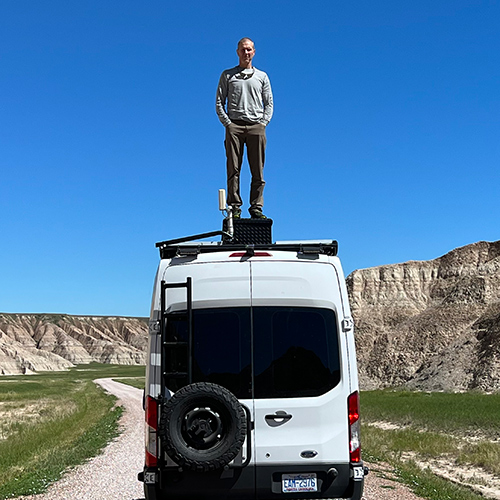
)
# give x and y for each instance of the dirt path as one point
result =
(113, 475)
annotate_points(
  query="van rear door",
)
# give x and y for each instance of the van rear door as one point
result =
(301, 381)
(221, 343)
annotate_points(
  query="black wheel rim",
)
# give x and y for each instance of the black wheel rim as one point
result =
(202, 428)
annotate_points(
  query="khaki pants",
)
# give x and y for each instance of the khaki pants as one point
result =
(238, 134)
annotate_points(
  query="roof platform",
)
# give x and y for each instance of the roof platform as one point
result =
(250, 235)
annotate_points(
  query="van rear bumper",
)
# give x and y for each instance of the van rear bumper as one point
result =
(253, 482)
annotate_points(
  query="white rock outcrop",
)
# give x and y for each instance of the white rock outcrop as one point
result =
(39, 342)
(432, 325)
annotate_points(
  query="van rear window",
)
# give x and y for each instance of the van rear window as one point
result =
(222, 349)
(294, 350)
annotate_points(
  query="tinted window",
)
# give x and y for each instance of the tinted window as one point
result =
(295, 352)
(221, 347)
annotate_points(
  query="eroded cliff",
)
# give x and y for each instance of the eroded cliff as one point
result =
(432, 325)
(36, 342)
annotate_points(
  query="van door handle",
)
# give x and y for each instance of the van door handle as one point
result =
(279, 418)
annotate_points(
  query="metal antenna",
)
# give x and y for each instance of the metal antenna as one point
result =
(228, 209)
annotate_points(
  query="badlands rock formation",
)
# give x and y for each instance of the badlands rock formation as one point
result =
(36, 342)
(432, 325)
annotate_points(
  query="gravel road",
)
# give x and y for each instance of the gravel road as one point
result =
(113, 475)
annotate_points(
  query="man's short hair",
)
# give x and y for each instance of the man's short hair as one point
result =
(246, 39)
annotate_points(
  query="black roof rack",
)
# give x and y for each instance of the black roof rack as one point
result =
(179, 247)
(249, 236)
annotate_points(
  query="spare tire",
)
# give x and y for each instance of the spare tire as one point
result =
(203, 427)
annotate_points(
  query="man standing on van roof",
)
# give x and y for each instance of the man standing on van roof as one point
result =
(247, 91)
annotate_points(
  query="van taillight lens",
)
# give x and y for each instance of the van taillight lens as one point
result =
(354, 427)
(151, 432)
(254, 254)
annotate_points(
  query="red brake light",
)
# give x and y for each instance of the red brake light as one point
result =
(255, 254)
(353, 403)
(151, 460)
(356, 455)
(354, 428)
(151, 432)
(152, 413)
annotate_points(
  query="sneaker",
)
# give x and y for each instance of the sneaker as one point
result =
(236, 213)
(256, 213)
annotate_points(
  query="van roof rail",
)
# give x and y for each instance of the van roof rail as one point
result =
(182, 247)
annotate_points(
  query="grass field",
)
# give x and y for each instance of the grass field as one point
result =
(52, 421)
(411, 429)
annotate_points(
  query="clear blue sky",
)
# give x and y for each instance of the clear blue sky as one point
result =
(385, 136)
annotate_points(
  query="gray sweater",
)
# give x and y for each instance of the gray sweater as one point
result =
(248, 95)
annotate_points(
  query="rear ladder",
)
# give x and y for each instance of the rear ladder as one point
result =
(176, 355)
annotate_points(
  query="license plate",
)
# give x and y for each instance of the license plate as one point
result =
(299, 483)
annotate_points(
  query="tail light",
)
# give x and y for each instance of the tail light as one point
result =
(247, 254)
(151, 432)
(354, 428)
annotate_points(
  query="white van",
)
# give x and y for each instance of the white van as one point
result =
(251, 383)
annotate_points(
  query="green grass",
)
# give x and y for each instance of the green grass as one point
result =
(442, 412)
(432, 425)
(482, 454)
(395, 442)
(52, 421)
(137, 382)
